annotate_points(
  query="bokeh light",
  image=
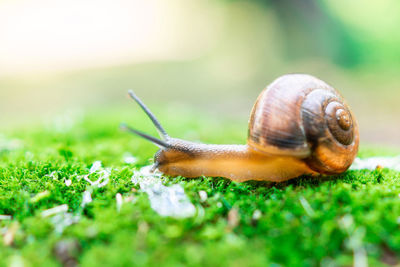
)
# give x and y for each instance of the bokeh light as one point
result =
(210, 56)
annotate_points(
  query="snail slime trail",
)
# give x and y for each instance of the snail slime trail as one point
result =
(298, 125)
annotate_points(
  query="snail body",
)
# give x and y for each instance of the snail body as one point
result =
(299, 125)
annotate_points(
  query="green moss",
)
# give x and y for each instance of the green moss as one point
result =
(304, 221)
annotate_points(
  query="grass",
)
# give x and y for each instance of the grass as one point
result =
(333, 221)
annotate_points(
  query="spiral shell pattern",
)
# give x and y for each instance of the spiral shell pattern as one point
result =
(299, 115)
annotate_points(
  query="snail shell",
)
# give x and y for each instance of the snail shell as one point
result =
(299, 115)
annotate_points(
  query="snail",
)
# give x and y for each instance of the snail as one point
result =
(298, 126)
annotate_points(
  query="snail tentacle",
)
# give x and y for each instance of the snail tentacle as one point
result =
(156, 141)
(153, 118)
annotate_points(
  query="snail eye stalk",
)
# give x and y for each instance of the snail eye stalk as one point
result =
(157, 124)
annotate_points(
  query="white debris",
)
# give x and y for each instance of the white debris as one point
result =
(5, 217)
(347, 222)
(68, 182)
(103, 180)
(374, 162)
(52, 175)
(103, 175)
(129, 159)
(306, 206)
(55, 210)
(233, 218)
(360, 258)
(95, 166)
(256, 215)
(60, 218)
(9, 235)
(86, 198)
(119, 200)
(203, 195)
(166, 201)
(40, 196)
(63, 220)
(354, 241)
(130, 198)
(144, 173)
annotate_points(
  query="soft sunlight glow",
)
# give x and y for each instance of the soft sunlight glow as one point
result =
(43, 35)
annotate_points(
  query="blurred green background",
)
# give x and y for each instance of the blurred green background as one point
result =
(211, 57)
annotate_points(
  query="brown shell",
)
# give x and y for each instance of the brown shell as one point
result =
(299, 115)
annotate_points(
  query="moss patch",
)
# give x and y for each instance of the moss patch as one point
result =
(305, 221)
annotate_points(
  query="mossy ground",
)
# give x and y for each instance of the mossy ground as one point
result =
(333, 221)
